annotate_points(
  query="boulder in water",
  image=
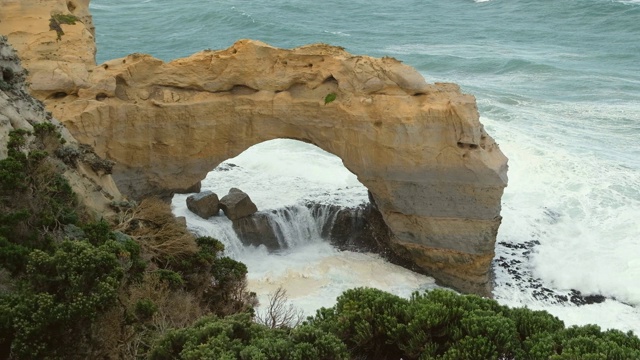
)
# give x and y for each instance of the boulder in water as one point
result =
(237, 204)
(256, 230)
(204, 204)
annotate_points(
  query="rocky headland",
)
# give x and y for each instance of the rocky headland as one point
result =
(435, 175)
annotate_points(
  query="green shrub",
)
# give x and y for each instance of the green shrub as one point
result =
(57, 19)
(97, 232)
(441, 324)
(366, 321)
(220, 282)
(172, 278)
(13, 257)
(144, 309)
(58, 298)
(237, 337)
(34, 197)
(331, 97)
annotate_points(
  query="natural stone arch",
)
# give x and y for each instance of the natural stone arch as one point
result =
(435, 175)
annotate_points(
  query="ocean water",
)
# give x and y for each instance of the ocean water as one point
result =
(557, 85)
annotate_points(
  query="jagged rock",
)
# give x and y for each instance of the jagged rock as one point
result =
(237, 204)
(435, 175)
(204, 204)
(360, 229)
(57, 67)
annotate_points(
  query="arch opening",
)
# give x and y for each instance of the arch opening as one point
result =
(318, 211)
(293, 182)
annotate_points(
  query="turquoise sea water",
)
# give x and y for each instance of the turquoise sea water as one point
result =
(557, 85)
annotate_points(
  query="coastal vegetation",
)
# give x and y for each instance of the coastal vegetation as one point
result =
(58, 19)
(144, 287)
(331, 97)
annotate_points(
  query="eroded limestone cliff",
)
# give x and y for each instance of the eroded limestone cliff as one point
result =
(436, 176)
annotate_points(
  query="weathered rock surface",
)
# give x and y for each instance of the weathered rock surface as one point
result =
(237, 204)
(205, 204)
(57, 67)
(87, 174)
(436, 176)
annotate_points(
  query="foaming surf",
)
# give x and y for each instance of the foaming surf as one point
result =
(568, 234)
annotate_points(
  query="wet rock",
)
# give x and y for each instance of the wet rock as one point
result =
(237, 204)
(357, 229)
(204, 204)
(256, 230)
(517, 268)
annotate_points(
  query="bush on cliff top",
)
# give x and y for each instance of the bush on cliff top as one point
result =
(440, 324)
(372, 324)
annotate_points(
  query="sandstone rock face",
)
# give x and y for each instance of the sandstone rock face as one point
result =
(436, 176)
(57, 67)
(87, 174)
(204, 204)
(237, 204)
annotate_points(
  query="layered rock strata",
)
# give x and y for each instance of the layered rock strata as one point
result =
(436, 176)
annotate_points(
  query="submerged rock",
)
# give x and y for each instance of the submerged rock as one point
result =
(237, 204)
(204, 204)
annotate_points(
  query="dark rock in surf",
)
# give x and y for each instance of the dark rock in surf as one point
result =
(204, 204)
(359, 228)
(256, 230)
(237, 204)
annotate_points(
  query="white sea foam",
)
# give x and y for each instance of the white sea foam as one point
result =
(583, 212)
(314, 275)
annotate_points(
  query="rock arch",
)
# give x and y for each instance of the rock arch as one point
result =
(436, 176)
